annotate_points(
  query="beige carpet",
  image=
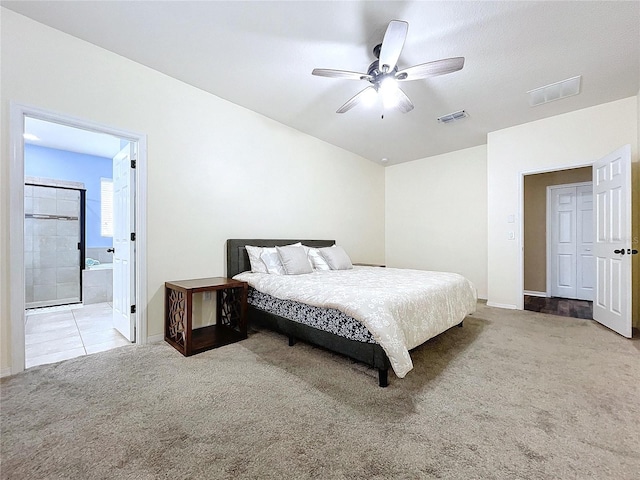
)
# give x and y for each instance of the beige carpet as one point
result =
(512, 395)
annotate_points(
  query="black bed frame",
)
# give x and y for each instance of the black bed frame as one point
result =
(370, 353)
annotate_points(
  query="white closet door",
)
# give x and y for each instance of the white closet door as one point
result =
(563, 242)
(585, 260)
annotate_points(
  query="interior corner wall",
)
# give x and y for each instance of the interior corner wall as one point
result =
(564, 141)
(214, 170)
(436, 214)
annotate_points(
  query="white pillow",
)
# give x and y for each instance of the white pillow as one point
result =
(258, 263)
(336, 258)
(294, 260)
(272, 261)
(316, 259)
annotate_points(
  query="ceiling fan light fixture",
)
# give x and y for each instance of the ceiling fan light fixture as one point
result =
(389, 92)
(369, 97)
(383, 74)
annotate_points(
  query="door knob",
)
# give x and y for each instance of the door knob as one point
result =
(632, 252)
(113, 250)
(621, 251)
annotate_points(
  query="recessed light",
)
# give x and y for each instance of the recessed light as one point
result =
(384, 160)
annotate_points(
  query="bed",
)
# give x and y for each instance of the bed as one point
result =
(373, 336)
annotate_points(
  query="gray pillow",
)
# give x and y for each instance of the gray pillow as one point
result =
(336, 258)
(294, 260)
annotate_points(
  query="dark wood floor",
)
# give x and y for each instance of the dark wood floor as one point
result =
(559, 306)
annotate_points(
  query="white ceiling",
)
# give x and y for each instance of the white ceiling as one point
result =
(62, 137)
(260, 55)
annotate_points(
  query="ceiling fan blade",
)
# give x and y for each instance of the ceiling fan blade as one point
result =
(404, 103)
(431, 69)
(327, 72)
(356, 99)
(392, 44)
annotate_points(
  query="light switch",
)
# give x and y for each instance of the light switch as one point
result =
(511, 219)
(512, 236)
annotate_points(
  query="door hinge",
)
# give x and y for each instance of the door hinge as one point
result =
(133, 309)
(133, 236)
(133, 164)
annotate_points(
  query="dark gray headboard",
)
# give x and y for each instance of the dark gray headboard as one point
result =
(238, 259)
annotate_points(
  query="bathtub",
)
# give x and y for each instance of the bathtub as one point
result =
(101, 266)
(97, 283)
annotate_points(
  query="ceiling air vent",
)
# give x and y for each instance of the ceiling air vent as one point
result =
(452, 117)
(554, 91)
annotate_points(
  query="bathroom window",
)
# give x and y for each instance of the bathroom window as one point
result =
(106, 207)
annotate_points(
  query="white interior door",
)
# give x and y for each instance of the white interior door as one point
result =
(585, 261)
(563, 242)
(123, 256)
(571, 261)
(612, 193)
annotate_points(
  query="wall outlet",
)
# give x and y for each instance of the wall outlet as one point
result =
(511, 236)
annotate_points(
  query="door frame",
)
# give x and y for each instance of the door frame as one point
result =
(549, 226)
(520, 274)
(18, 112)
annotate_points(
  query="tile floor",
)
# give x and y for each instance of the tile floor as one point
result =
(560, 306)
(59, 333)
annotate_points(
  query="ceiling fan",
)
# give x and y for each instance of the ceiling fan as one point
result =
(383, 74)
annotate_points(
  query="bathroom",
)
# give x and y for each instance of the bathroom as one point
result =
(68, 229)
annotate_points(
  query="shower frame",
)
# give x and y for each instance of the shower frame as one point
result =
(82, 215)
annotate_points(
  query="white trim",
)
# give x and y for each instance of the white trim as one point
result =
(508, 306)
(16, 220)
(547, 214)
(16, 237)
(533, 293)
(5, 372)
(155, 338)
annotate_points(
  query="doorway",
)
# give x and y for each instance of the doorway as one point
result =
(90, 310)
(69, 242)
(537, 291)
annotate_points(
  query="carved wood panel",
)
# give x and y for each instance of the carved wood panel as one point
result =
(177, 316)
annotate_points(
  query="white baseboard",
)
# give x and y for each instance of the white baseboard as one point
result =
(155, 338)
(533, 293)
(5, 372)
(502, 305)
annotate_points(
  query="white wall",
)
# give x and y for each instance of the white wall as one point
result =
(215, 170)
(573, 139)
(436, 214)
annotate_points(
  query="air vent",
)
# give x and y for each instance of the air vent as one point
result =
(452, 117)
(555, 91)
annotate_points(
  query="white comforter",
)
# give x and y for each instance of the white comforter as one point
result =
(401, 308)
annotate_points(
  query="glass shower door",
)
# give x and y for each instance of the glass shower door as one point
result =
(52, 245)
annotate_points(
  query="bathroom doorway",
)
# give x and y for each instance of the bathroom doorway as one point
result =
(68, 241)
(60, 272)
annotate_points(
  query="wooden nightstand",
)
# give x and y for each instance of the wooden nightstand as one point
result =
(231, 314)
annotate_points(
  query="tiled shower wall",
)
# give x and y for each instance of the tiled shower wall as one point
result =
(52, 258)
